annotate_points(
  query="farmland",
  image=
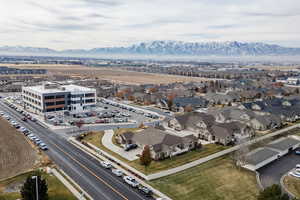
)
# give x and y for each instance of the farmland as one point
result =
(110, 74)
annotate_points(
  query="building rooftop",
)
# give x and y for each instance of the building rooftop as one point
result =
(54, 88)
(283, 144)
(259, 155)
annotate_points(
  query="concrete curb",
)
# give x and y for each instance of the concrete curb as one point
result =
(74, 183)
(115, 165)
(284, 188)
(258, 180)
(58, 174)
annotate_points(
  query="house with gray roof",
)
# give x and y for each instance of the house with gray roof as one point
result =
(162, 145)
(180, 103)
(217, 99)
(206, 128)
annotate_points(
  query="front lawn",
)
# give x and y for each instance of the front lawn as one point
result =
(56, 190)
(156, 166)
(218, 179)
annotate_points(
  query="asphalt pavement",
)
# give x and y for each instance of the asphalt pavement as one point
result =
(86, 171)
(272, 173)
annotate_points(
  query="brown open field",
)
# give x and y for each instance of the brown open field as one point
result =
(16, 154)
(115, 75)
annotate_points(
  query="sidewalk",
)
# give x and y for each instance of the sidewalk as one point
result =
(101, 155)
(199, 161)
(107, 142)
(59, 174)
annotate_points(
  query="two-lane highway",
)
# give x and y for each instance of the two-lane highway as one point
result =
(98, 182)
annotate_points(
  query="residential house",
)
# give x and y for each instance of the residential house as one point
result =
(162, 145)
(180, 103)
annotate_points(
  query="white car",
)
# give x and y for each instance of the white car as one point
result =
(117, 172)
(130, 181)
(105, 164)
(298, 166)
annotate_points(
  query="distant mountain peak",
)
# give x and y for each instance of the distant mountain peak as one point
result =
(171, 47)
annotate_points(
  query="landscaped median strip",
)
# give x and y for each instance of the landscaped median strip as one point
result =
(101, 157)
(77, 191)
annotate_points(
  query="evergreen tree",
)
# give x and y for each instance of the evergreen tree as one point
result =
(273, 192)
(28, 190)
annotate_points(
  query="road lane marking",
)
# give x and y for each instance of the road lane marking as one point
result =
(90, 171)
(82, 165)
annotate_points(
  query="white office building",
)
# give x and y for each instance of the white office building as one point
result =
(54, 97)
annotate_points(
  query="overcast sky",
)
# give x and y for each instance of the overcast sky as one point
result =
(65, 24)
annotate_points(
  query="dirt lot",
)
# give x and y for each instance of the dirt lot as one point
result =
(115, 75)
(16, 154)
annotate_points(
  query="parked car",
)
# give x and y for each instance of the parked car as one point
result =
(130, 181)
(129, 147)
(117, 172)
(298, 166)
(43, 146)
(24, 119)
(105, 164)
(297, 151)
(146, 191)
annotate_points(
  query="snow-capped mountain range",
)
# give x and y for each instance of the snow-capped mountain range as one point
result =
(170, 48)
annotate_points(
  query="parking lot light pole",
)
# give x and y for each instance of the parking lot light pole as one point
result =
(36, 186)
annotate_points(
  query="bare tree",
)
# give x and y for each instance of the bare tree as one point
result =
(239, 156)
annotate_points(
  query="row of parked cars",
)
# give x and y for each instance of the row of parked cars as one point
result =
(37, 141)
(26, 116)
(146, 114)
(127, 179)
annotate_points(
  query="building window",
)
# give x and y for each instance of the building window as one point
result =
(90, 95)
(90, 101)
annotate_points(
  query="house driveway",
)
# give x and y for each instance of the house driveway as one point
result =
(128, 155)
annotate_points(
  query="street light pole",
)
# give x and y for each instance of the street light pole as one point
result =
(36, 187)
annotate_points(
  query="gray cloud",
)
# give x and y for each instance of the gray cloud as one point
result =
(49, 9)
(200, 35)
(102, 2)
(96, 15)
(270, 14)
(159, 22)
(225, 26)
(123, 22)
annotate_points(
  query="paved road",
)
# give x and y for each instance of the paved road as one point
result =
(98, 182)
(272, 173)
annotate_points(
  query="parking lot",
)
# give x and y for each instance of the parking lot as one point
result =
(272, 173)
(105, 112)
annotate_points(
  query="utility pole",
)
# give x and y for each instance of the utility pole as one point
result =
(36, 186)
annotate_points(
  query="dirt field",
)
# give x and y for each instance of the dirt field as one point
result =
(115, 75)
(16, 154)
